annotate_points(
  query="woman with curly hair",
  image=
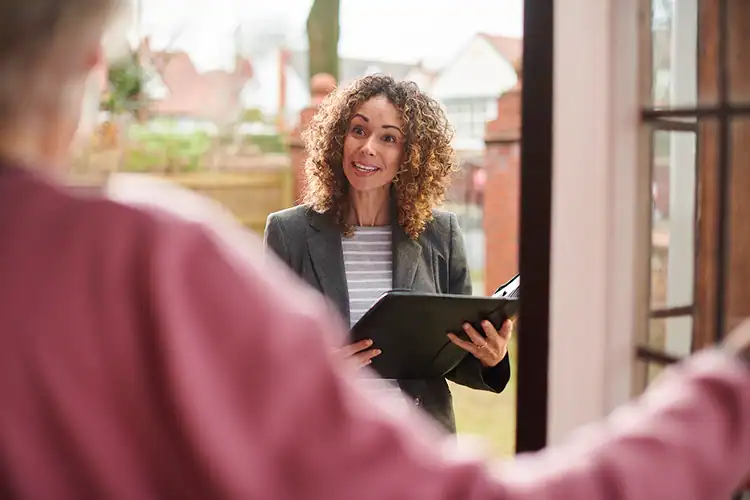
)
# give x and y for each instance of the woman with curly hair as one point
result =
(379, 163)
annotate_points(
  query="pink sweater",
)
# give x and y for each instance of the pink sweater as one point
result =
(140, 360)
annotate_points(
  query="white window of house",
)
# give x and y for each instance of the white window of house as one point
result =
(459, 115)
(470, 116)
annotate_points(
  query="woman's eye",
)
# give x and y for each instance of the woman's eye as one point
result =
(358, 130)
(389, 138)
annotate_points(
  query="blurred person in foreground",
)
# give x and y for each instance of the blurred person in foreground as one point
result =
(136, 351)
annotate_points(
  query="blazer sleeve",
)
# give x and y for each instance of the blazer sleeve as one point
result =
(470, 372)
(274, 239)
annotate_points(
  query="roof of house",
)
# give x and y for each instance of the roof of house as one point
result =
(509, 47)
(351, 69)
(212, 95)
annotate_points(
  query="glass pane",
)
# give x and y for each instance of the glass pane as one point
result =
(738, 46)
(674, 54)
(672, 336)
(737, 289)
(673, 211)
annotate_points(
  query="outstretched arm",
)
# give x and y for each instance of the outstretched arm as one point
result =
(310, 433)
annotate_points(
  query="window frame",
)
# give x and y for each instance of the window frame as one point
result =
(535, 225)
(687, 119)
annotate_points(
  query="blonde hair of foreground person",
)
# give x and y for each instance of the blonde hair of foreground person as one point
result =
(48, 94)
(209, 376)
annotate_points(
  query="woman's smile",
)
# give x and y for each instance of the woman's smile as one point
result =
(364, 169)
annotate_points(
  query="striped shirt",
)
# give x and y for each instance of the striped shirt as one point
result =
(368, 260)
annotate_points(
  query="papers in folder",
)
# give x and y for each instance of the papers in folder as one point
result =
(511, 289)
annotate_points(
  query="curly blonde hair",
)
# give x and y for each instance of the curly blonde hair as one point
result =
(429, 158)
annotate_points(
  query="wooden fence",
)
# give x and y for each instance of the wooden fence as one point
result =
(250, 195)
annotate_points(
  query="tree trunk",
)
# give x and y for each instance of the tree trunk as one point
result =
(323, 38)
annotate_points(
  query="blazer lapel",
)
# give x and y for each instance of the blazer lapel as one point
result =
(326, 253)
(407, 254)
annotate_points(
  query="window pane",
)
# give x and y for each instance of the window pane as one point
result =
(674, 53)
(738, 55)
(673, 207)
(672, 336)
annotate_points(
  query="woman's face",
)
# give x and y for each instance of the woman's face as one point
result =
(374, 145)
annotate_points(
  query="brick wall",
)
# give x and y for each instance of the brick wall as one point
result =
(501, 196)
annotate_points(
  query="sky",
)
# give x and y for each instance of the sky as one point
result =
(389, 30)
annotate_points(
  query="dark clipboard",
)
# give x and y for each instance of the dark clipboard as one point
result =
(410, 329)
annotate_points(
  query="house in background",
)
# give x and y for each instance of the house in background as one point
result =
(277, 84)
(470, 84)
(350, 69)
(422, 75)
(267, 93)
(177, 89)
(276, 88)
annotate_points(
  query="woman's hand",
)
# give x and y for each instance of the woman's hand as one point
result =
(490, 349)
(359, 352)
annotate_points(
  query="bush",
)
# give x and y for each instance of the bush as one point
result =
(155, 151)
(125, 79)
(267, 143)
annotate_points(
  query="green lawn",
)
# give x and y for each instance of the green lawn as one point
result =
(491, 417)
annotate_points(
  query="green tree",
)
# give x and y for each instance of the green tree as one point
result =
(125, 87)
(323, 38)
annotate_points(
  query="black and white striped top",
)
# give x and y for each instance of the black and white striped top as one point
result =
(368, 260)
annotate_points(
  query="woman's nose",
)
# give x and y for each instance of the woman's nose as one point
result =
(369, 148)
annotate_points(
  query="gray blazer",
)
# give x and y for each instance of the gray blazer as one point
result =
(310, 244)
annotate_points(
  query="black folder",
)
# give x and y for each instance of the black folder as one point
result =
(411, 330)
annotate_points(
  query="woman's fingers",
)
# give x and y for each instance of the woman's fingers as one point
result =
(498, 339)
(474, 335)
(490, 332)
(474, 346)
(352, 349)
(470, 347)
(365, 358)
(507, 330)
(490, 348)
(359, 352)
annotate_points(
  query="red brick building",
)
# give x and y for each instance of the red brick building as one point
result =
(502, 184)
